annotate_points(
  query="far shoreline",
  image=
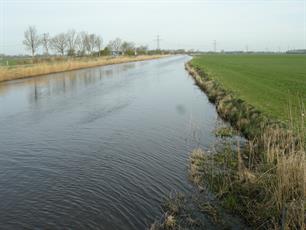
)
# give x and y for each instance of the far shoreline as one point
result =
(40, 69)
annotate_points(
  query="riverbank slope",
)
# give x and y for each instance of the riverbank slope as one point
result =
(265, 180)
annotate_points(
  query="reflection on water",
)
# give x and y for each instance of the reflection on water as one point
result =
(56, 84)
(99, 147)
(69, 81)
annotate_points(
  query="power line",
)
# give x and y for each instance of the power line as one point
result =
(157, 42)
(215, 46)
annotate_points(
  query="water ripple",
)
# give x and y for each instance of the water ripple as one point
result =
(98, 148)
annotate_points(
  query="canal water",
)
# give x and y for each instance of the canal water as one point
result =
(99, 148)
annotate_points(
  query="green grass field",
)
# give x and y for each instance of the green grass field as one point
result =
(9, 62)
(15, 61)
(268, 82)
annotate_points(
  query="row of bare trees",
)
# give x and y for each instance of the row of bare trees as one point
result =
(74, 43)
(127, 48)
(71, 43)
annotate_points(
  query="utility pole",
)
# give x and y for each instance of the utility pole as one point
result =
(247, 48)
(215, 46)
(157, 42)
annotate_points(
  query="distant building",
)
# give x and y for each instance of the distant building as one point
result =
(116, 53)
(301, 51)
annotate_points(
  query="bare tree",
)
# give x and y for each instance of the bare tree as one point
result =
(91, 39)
(31, 40)
(88, 43)
(80, 43)
(59, 43)
(127, 46)
(98, 44)
(83, 43)
(72, 40)
(45, 40)
(115, 45)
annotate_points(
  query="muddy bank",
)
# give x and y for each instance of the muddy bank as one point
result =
(197, 211)
(18, 72)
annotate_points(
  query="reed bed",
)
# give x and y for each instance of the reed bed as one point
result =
(24, 71)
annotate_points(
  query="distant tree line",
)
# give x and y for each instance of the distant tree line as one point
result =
(74, 43)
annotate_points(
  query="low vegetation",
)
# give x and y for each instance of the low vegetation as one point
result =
(195, 212)
(54, 66)
(225, 132)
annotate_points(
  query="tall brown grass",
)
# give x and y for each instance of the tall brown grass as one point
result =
(24, 71)
(269, 190)
(284, 158)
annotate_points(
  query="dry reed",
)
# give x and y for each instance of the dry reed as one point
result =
(24, 71)
(270, 191)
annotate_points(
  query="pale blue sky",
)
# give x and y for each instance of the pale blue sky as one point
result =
(260, 24)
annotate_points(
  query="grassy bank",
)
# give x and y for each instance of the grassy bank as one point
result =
(23, 71)
(264, 181)
(268, 82)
